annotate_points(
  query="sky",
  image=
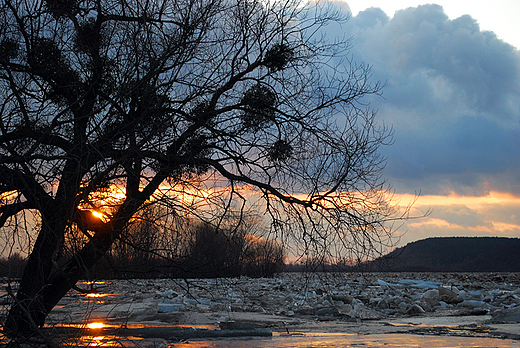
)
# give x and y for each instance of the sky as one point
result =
(452, 97)
(499, 16)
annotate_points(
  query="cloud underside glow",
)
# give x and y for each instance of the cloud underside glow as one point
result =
(492, 214)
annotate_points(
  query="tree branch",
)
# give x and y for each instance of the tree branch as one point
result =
(44, 138)
(9, 210)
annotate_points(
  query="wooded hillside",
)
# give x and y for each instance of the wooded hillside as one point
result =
(454, 254)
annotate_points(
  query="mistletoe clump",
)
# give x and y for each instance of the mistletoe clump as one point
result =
(281, 151)
(278, 56)
(259, 104)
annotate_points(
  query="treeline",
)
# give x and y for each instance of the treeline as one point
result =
(205, 251)
(210, 253)
(191, 251)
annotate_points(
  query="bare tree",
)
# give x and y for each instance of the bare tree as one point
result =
(111, 105)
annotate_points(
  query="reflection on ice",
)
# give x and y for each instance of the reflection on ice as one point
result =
(297, 340)
(97, 325)
(328, 340)
(95, 295)
(102, 341)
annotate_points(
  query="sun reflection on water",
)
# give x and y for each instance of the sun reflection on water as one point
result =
(95, 295)
(103, 341)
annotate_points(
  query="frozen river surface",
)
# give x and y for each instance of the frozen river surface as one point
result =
(295, 310)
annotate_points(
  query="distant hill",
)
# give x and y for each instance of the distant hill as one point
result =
(453, 254)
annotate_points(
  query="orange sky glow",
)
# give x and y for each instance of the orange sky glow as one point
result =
(492, 214)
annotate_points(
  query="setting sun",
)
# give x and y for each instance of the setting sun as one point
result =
(96, 325)
(99, 215)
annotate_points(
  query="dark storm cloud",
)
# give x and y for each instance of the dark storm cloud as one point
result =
(452, 96)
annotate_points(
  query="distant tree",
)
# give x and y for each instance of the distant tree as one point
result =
(232, 251)
(12, 266)
(262, 258)
(108, 106)
(214, 252)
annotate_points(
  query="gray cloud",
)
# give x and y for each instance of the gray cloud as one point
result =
(452, 96)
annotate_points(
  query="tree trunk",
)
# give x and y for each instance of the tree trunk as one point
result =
(42, 288)
(27, 313)
(40, 291)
